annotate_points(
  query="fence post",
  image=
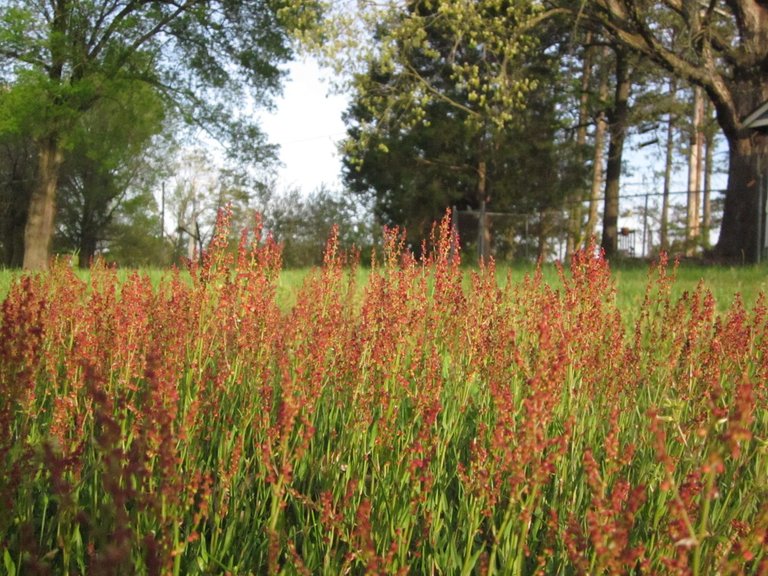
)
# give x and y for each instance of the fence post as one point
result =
(760, 209)
(645, 225)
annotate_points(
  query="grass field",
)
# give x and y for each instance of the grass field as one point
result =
(417, 418)
(631, 279)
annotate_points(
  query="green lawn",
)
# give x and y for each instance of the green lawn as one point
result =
(724, 281)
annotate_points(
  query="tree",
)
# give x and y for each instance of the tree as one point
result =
(69, 52)
(133, 237)
(199, 189)
(412, 173)
(601, 127)
(16, 179)
(105, 162)
(437, 119)
(302, 225)
(618, 124)
(721, 46)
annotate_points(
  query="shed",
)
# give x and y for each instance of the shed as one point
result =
(757, 120)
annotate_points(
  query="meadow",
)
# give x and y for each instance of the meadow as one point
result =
(413, 418)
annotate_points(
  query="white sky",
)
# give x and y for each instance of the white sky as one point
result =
(307, 125)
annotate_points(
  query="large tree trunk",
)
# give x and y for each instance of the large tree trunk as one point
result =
(727, 58)
(739, 234)
(42, 206)
(747, 167)
(692, 229)
(601, 127)
(617, 129)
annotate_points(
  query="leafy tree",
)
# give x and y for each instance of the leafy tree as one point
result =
(104, 164)
(133, 236)
(438, 121)
(303, 223)
(721, 46)
(205, 56)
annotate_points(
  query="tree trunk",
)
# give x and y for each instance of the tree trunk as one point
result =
(544, 235)
(13, 229)
(617, 129)
(709, 146)
(42, 206)
(739, 233)
(15, 200)
(484, 233)
(575, 214)
(747, 167)
(692, 231)
(668, 161)
(601, 127)
(88, 239)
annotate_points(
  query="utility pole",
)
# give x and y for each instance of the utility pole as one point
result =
(162, 212)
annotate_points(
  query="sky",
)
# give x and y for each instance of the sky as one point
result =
(307, 126)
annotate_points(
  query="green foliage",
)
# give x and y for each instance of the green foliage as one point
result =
(106, 166)
(452, 156)
(134, 238)
(17, 177)
(302, 224)
(479, 43)
(85, 58)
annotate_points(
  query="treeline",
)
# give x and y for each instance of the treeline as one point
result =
(530, 108)
(95, 99)
(524, 107)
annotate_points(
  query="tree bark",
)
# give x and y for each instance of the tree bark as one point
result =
(668, 160)
(42, 206)
(730, 66)
(601, 127)
(692, 230)
(739, 234)
(18, 158)
(88, 239)
(709, 145)
(484, 233)
(575, 214)
(748, 164)
(617, 129)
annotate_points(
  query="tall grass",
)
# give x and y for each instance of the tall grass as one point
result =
(421, 423)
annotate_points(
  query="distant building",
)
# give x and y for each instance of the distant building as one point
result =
(759, 118)
(758, 121)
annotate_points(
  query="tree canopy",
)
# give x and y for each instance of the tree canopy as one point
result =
(721, 46)
(210, 59)
(451, 158)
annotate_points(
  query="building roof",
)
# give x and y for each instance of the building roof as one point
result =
(758, 118)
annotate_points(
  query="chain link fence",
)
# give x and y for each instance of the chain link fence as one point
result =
(509, 236)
